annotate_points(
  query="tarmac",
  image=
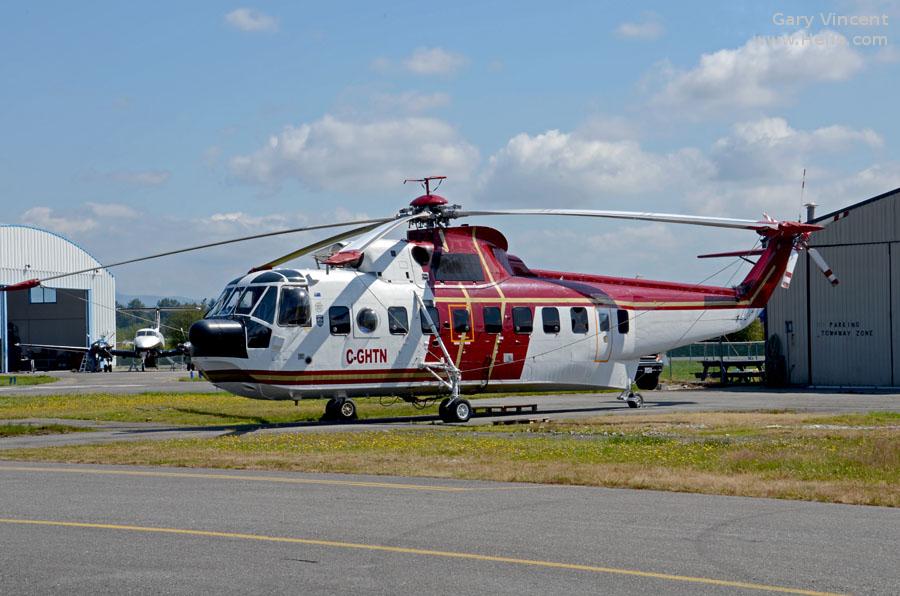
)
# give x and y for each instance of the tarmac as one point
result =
(103, 529)
(114, 529)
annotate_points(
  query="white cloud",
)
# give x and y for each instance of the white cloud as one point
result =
(763, 72)
(649, 27)
(248, 19)
(578, 169)
(769, 146)
(44, 217)
(112, 210)
(413, 102)
(334, 154)
(756, 167)
(433, 61)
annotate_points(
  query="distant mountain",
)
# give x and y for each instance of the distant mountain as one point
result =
(150, 300)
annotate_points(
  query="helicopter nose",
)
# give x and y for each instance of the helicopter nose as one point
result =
(218, 337)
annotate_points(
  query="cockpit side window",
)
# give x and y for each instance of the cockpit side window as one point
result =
(294, 307)
(265, 309)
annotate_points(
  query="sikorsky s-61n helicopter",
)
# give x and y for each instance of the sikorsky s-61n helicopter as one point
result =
(448, 310)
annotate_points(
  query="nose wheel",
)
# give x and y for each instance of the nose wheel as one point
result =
(342, 410)
(633, 399)
(455, 410)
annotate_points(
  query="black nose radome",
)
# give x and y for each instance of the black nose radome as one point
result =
(218, 337)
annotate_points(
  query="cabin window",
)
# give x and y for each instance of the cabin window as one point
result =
(433, 313)
(579, 319)
(398, 320)
(493, 319)
(461, 322)
(367, 320)
(622, 320)
(522, 319)
(550, 319)
(265, 308)
(294, 308)
(339, 320)
(456, 267)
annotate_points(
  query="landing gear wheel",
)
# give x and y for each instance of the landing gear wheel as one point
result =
(346, 410)
(343, 410)
(442, 409)
(458, 410)
(635, 400)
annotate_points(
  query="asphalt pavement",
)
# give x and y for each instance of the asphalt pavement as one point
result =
(93, 529)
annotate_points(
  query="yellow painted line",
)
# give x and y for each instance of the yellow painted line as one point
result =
(420, 552)
(247, 478)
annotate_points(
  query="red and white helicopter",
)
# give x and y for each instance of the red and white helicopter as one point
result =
(448, 310)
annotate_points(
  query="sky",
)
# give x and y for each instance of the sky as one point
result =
(133, 128)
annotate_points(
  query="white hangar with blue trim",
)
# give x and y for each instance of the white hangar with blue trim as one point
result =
(72, 311)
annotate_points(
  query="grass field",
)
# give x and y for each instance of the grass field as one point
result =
(26, 379)
(851, 458)
(17, 430)
(191, 408)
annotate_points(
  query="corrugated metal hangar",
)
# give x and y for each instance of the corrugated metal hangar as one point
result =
(72, 311)
(845, 335)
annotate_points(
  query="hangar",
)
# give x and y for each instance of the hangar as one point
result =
(73, 311)
(846, 335)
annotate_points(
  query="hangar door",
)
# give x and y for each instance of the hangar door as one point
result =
(47, 316)
(850, 342)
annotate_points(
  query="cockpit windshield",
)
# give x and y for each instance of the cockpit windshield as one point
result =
(248, 300)
(229, 303)
(220, 301)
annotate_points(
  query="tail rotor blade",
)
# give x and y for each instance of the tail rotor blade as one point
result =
(823, 266)
(789, 270)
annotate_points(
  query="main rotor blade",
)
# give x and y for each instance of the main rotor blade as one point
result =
(697, 220)
(316, 246)
(35, 282)
(354, 250)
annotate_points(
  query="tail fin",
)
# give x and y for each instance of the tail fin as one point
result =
(775, 265)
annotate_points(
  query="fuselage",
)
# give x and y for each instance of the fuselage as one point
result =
(352, 331)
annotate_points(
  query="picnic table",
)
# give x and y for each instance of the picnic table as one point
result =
(745, 369)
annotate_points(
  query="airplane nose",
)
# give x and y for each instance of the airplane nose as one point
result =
(218, 337)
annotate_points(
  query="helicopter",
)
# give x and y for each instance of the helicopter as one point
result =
(148, 345)
(448, 311)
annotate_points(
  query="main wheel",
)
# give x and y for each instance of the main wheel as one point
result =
(442, 409)
(458, 410)
(635, 400)
(346, 410)
(331, 407)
